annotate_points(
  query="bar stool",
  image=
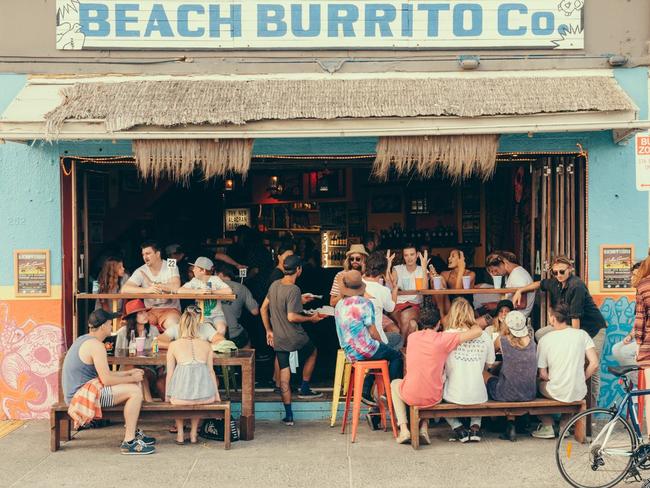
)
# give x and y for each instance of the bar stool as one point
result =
(341, 380)
(382, 380)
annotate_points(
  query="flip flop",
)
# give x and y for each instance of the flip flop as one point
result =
(179, 443)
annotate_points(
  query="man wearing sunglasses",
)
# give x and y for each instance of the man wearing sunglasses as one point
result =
(355, 260)
(565, 287)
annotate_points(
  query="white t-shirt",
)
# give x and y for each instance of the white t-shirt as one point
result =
(206, 332)
(212, 310)
(406, 281)
(563, 353)
(464, 370)
(381, 300)
(518, 278)
(143, 277)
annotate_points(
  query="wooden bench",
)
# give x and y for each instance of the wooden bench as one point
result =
(539, 406)
(60, 422)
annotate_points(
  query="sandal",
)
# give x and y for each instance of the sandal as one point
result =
(179, 443)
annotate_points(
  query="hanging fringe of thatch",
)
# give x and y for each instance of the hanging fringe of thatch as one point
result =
(178, 159)
(458, 157)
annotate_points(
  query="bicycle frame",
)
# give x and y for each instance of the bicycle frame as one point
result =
(626, 407)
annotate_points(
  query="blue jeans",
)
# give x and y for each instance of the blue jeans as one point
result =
(395, 366)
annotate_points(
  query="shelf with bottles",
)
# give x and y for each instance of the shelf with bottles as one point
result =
(439, 236)
(334, 245)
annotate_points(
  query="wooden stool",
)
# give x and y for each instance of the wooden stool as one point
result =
(341, 380)
(359, 370)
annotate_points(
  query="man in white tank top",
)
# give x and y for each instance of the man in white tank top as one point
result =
(409, 276)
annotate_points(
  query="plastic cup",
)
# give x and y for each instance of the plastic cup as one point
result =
(139, 344)
(419, 283)
(437, 282)
(497, 281)
(467, 281)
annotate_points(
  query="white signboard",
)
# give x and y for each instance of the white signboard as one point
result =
(319, 24)
(236, 217)
(642, 156)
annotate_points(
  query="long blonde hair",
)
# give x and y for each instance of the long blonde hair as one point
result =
(190, 321)
(461, 315)
(643, 271)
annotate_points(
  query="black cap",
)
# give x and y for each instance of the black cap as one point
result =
(99, 317)
(503, 303)
(292, 263)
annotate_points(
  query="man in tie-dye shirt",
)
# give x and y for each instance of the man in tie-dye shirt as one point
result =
(354, 314)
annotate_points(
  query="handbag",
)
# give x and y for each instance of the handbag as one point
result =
(213, 429)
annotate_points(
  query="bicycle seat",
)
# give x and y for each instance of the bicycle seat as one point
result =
(621, 370)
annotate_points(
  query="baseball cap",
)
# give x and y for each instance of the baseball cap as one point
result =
(292, 263)
(203, 262)
(99, 317)
(516, 322)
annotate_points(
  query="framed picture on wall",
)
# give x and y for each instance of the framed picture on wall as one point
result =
(386, 203)
(616, 263)
(32, 272)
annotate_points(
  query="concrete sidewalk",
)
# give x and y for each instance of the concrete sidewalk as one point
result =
(310, 454)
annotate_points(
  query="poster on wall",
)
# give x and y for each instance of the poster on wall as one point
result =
(616, 267)
(642, 160)
(319, 24)
(32, 272)
(236, 217)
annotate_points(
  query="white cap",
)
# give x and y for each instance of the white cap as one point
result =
(203, 262)
(516, 322)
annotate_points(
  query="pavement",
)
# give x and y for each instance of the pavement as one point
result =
(309, 454)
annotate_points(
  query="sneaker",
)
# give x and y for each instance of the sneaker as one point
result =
(460, 435)
(373, 421)
(367, 399)
(544, 432)
(148, 441)
(424, 437)
(404, 437)
(310, 394)
(287, 421)
(136, 448)
(475, 433)
(510, 433)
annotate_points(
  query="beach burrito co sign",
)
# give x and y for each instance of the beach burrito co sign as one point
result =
(318, 24)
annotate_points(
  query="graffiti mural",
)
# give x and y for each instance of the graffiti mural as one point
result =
(31, 343)
(619, 314)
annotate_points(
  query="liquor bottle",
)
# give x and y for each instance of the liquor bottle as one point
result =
(132, 344)
(154, 346)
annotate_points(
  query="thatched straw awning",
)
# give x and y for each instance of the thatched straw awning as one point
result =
(175, 103)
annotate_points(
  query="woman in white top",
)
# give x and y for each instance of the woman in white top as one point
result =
(409, 276)
(464, 369)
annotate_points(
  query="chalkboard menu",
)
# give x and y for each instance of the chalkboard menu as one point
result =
(32, 272)
(616, 267)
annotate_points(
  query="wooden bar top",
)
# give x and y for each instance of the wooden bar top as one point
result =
(471, 291)
(157, 296)
(122, 357)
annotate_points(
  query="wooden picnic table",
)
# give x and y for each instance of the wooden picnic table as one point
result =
(243, 358)
(463, 291)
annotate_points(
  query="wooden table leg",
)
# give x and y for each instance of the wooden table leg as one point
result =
(66, 428)
(247, 419)
(415, 428)
(55, 439)
(583, 427)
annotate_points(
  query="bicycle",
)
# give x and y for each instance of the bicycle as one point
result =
(615, 451)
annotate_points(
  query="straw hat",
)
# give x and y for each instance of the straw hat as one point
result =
(357, 249)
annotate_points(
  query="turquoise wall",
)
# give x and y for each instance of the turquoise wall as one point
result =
(30, 212)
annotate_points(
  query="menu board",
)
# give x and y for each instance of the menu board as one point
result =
(616, 267)
(32, 272)
(236, 217)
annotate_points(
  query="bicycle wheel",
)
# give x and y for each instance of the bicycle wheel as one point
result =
(604, 459)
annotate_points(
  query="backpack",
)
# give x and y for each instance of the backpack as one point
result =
(213, 429)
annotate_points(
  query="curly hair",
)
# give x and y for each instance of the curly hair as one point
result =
(109, 278)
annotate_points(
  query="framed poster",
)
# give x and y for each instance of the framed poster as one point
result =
(236, 217)
(616, 267)
(32, 272)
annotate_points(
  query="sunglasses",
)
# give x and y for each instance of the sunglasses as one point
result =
(194, 309)
(559, 272)
(356, 259)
